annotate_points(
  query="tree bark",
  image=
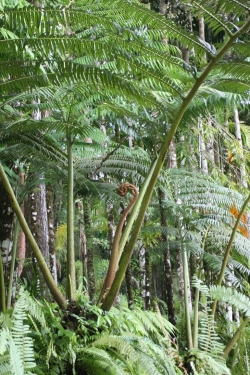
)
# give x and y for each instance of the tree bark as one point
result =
(128, 279)
(6, 239)
(167, 264)
(36, 217)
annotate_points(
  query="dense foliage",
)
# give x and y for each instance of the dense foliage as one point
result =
(100, 95)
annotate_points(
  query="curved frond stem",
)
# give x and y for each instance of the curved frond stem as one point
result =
(196, 299)
(228, 249)
(235, 338)
(145, 199)
(40, 260)
(185, 277)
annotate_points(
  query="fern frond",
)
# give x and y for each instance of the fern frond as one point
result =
(232, 297)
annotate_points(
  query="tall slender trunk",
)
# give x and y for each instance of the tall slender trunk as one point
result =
(21, 245)
(210, 143)
(128, 279)
(142, 252)
(179, 267)
(148, 277)
(217, 151)
(111, 222)
(6, 242)
(202, 149)
(36, 217)
(167, 264)
(71, 274)
(90, 249)
(239, 139)
(83, 242)
(51, 232)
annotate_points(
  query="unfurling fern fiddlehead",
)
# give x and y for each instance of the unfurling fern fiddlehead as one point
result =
(113, 263)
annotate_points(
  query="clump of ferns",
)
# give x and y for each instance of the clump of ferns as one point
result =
(17, 355)
(35, 337)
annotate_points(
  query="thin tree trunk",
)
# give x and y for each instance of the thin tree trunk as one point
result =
(210, 144)
(180, 272)
(217, 152)
(83, 243)
(21, 245)
(6, 240)
(239, 139)
(142, 252)
(167, 264)
(51, 232)
(111, 222)
(36, 217)
(202, 149)
(90, 249)
(71, 274)
(147, 281)
(128, 279)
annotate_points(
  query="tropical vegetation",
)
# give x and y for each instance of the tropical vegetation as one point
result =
(124, 158)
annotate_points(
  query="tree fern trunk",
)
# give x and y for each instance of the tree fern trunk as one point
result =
(167, 264)
(21, 245)
(36, 216)
(71, 275)
(90, 249)
(128, 279)
(6, 239)
(83, 242)
(51, 232)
